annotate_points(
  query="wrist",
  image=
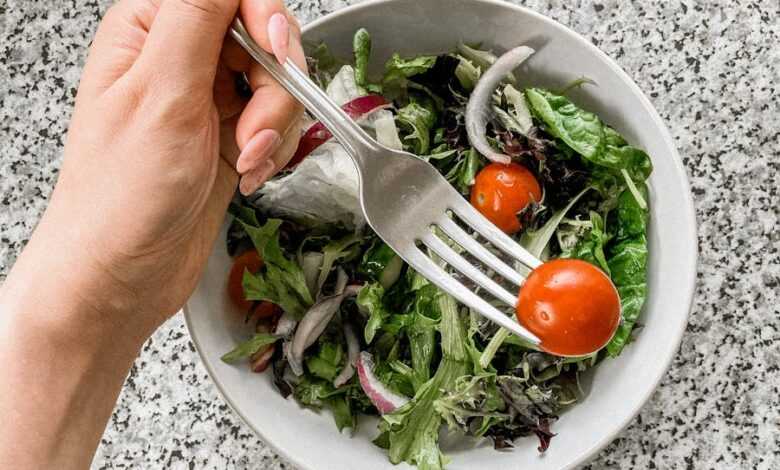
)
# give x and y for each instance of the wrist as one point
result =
(59, 292)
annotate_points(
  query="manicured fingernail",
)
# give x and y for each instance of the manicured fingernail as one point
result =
(252, 181)
(279, 36)
(259, 148)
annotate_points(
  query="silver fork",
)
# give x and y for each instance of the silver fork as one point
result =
(404, 198)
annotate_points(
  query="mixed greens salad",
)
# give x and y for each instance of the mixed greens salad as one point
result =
(346, 326)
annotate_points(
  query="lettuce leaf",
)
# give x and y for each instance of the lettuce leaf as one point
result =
(249, 347)
(420, 119)
(281, 281)
(411, 432)
(369, 299)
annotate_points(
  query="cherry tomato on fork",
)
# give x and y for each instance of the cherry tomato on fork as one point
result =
(501, 191)
(571, 305)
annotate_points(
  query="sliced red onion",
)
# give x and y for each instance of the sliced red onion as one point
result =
(316, 320)
(383, 399)
(317, 134)
(478, 107)
(353, 350)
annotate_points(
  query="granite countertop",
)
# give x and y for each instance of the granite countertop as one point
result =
(711, 70)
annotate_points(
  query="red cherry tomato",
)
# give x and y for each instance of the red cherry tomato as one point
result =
(571, 305)
(501, 191)
(248, 260)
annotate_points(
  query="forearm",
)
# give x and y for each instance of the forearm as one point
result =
(64, 362)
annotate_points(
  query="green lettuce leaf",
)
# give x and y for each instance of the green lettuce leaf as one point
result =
(361, 46)
(369, 299)
(281, 281)
(590, 247)
(398, 69)
(327, 362)
(420, 119)
(249, 347)
(411, 432)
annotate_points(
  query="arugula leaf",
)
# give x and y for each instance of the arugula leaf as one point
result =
(281, 281)
(249, 347)
(420, 119)
(581, 130)
(370, 300)
(361, 46)
(628, 265)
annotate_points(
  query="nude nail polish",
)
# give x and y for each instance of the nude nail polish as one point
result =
(259, 148)
(279, 36)
(253, 180)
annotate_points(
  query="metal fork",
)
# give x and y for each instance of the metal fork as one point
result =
(404, 198)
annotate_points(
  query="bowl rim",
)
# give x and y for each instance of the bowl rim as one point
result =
(687, 207)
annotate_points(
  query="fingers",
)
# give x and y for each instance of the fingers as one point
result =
(270, 25)
(117, 44)
(185, 41)
(252, 180)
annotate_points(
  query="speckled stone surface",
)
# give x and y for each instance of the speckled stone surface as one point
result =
(710, 68)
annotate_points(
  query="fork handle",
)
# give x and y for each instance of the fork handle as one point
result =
(356, 141)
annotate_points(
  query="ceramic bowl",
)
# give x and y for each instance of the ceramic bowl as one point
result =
(618, 387)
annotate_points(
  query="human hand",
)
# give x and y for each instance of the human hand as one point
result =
(156, 136)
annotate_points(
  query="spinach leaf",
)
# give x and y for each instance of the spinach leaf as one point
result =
(628, 264)
(581, 130)
(249, 347)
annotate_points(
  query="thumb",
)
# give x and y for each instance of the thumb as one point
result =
(187, 36)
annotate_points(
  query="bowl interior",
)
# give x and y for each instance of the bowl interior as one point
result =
(620, 386)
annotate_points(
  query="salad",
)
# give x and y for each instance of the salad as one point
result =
(343, 324)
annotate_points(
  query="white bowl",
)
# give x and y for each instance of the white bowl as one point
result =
(620, 386)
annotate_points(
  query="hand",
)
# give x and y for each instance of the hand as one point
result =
(158, 140)
(151, 156)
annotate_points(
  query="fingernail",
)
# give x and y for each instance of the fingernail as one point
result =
(279, 36)
(259, 148)
(252, 181)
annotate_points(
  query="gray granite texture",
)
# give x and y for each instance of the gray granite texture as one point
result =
(711, 69)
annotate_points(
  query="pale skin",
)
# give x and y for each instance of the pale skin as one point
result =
(158, 144)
